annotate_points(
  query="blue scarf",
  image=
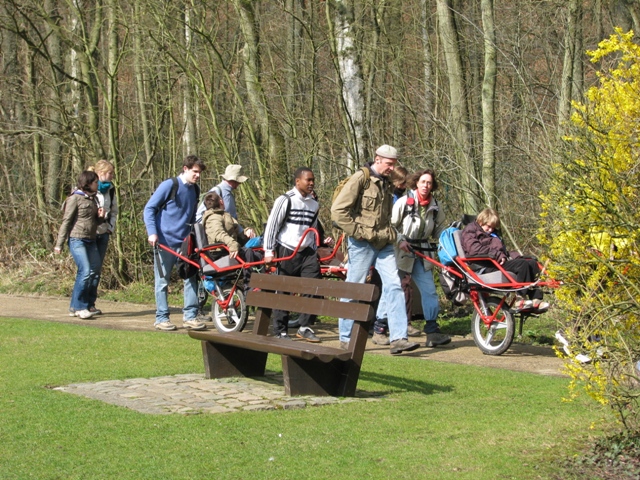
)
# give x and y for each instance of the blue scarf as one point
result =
(103, 187)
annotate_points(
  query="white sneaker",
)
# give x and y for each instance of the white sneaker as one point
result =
(165, 326)
(84, 314)
(193, 324)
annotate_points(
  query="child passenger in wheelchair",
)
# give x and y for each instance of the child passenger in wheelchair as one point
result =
(479, 239)
(221, 227)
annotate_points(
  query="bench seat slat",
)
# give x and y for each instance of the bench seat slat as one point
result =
(278, 346)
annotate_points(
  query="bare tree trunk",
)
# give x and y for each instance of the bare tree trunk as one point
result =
(271, 136)
(428, 91)
(86, 52)
(577, 88)
(139, 73)
(189, 136)
(54, 116)
(564, 103)
(459, 119)
(632, 7)
(38, 169)
(488, 104)
(350, 78)
(113, 60)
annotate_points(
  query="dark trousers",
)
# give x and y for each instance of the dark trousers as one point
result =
(526, 270)
(381, 325)
(305, 264)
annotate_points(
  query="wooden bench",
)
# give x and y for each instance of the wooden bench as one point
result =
(308, 369)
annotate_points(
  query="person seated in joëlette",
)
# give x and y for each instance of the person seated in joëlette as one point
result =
(480, 239)
(221, 227)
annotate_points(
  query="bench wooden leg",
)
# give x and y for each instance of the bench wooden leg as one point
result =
(313, 377)
(222, 361)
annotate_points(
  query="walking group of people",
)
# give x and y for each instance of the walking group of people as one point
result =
(382, 210)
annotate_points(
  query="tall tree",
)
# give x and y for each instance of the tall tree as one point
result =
(459, 114)
(342, 31)
(272, 140)
(488, 104)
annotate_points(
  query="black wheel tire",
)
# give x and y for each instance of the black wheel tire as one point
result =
(496, 338)
(234, 318)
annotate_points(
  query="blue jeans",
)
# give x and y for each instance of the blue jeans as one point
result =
(85, 254)
(430, 306)
(361, 257)
(102, 242)
(163, 263)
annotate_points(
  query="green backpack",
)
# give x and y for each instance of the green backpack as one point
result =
(367, 176)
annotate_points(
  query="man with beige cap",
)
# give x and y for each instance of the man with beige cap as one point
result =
(231, 179)
(363, 210)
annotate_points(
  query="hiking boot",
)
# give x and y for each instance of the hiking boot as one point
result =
(84, 314)
(165, 326)
(380, 339)
(283, 336)
(307, 334)
(344, 345)
(95, 311)
(193, 324)
(413, 331)
(437, 338)
(402, 345)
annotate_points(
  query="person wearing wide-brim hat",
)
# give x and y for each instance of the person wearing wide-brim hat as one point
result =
(231, 179)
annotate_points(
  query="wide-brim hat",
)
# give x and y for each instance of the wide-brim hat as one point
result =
(233, 173)
(387, 151)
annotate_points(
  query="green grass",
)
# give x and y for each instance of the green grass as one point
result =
(438, 420)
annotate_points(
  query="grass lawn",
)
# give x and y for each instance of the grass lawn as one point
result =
(438, 421)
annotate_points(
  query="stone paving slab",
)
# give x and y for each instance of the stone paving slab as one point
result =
(190, 394)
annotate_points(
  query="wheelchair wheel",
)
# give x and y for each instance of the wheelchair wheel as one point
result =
(496, 338)
(235, 317)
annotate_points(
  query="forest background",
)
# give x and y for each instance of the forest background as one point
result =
(478, 90)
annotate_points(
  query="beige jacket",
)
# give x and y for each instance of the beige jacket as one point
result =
(80, 219)
(221, 227)
(416, 223)
(365, 214)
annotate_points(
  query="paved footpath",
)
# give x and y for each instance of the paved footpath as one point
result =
(193, 394)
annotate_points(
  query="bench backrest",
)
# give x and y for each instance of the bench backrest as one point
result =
(327, 301)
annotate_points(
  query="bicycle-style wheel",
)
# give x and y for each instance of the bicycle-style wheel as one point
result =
(234, 318)
(496, 338)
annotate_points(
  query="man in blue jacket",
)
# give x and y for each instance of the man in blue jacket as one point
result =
(168, 216)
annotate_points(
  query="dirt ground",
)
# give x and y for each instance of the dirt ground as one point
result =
(129, 316)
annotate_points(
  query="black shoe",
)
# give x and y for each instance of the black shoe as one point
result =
(307, 334)
(283, 336)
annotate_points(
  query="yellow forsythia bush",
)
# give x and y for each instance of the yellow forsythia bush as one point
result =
(591, 226)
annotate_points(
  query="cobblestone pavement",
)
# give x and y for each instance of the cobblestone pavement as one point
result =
(192, 394)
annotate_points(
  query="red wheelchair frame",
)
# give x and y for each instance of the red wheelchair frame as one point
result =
(492, 323)
(222, 274)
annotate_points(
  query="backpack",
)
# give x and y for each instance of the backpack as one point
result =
(367, 176)
(447, 250)
(453, 287)
(174, 190)
(187, 249)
